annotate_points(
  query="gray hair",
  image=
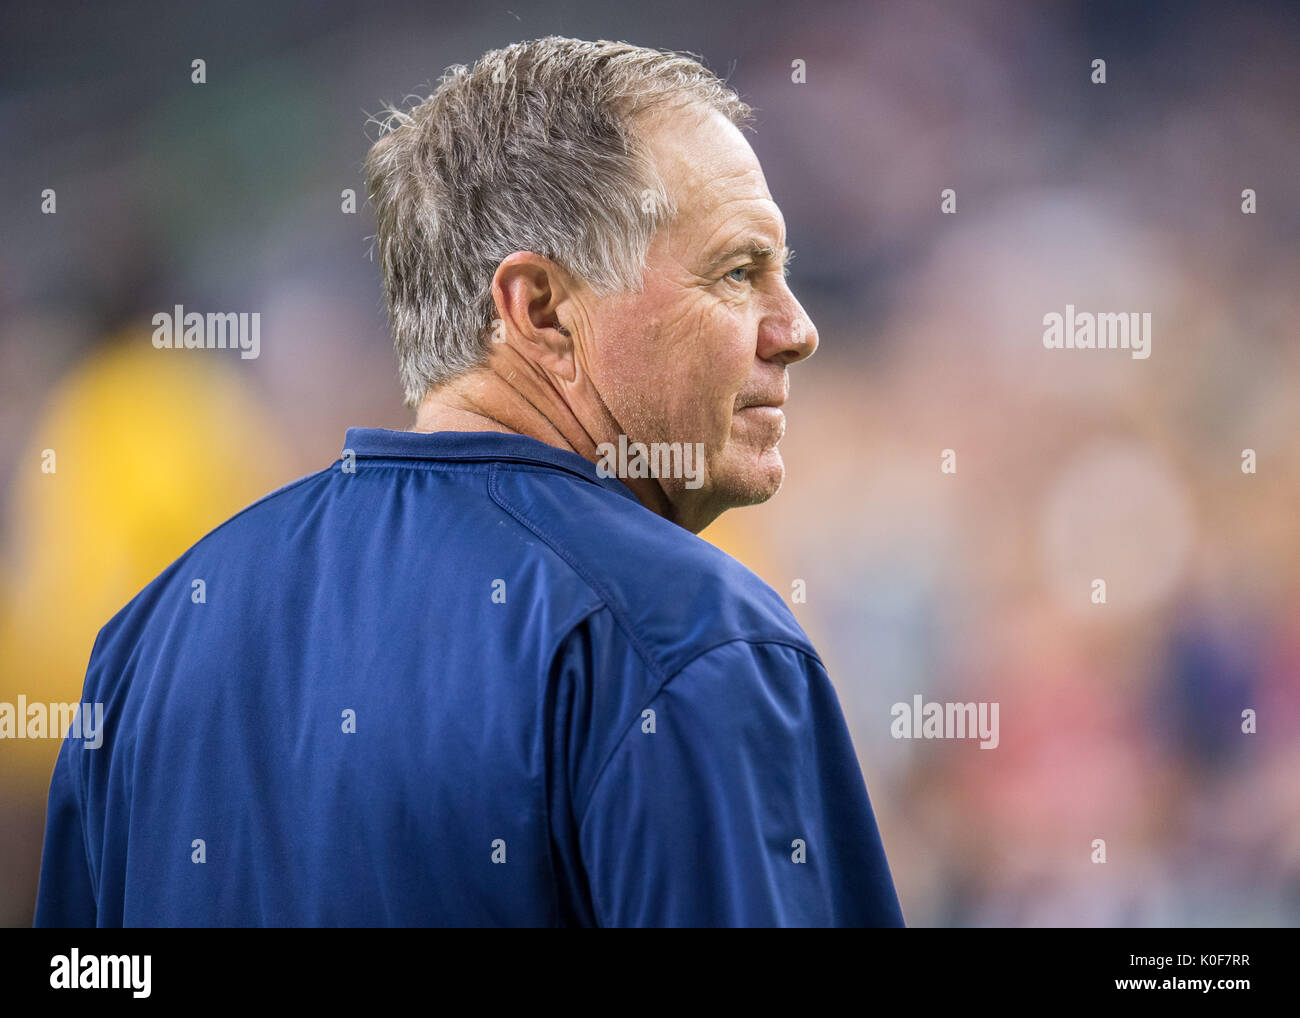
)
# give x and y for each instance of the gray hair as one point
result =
(534, 149)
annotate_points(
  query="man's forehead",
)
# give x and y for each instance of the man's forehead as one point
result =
(711, 173)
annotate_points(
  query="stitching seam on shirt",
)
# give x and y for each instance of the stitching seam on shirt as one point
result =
(644, 652)
(595, 785)
(546, 755)
(469, 463)
(600, 775)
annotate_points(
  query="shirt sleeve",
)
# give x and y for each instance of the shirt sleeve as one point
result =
(736, 799)
(65, 896)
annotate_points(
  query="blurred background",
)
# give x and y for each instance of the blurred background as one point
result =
(1120, 721)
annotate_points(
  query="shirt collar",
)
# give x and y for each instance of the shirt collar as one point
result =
(476, 446)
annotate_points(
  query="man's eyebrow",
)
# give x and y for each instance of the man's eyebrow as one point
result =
(756, 250)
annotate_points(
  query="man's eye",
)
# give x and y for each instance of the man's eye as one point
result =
(743, 270)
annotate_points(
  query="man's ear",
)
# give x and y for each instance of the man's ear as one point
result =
(530, 292)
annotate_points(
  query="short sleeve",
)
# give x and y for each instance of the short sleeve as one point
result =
(735, 799)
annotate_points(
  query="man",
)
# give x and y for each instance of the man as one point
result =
(483, 672)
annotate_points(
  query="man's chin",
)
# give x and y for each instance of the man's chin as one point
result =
(732, 484)
(752, 482)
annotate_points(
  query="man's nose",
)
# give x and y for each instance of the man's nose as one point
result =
(787, 336)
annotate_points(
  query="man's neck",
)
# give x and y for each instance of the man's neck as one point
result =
(509, 395)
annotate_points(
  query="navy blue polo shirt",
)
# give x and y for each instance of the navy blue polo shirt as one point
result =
(460, 679)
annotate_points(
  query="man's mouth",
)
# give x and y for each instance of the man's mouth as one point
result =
(774, 403)
(767, 418)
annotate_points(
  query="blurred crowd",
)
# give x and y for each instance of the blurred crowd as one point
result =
(1121, 722)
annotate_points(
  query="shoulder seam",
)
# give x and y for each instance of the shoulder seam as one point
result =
(600, 774)
(643, 651)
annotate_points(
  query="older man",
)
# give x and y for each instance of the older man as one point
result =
(483, 672)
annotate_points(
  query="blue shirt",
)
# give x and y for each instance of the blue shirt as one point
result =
(460, 679)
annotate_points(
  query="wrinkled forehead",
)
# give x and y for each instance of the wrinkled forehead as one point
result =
(709, 171)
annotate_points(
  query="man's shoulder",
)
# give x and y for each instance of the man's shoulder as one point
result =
(254, 528)
(676, 595)
(672, 594)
